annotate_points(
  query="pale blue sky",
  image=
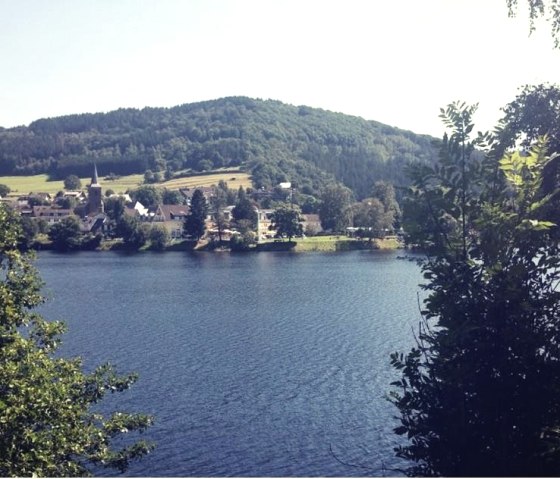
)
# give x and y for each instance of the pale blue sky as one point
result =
(394, 61)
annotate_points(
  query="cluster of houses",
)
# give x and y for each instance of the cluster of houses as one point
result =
(93, 219)
(51, 209)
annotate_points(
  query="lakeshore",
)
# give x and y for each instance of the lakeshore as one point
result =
(325, 244)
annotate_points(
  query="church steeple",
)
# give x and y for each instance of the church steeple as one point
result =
(95, 198)
(94, 179)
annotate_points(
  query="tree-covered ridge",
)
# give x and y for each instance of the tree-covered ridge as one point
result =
(274, 141)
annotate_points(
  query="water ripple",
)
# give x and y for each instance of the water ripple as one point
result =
(254, 365)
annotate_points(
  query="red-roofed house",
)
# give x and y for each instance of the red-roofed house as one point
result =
(50, 214)
(172, 217)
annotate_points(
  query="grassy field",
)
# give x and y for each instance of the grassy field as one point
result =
(318, 243)
(21, 185)
(233, 179)
(340, 243)
(120, 185)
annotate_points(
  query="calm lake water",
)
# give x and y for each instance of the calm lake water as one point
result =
(269, 364)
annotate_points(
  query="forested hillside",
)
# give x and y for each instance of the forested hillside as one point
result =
(273, 141)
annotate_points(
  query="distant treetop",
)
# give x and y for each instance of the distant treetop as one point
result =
(273, 141)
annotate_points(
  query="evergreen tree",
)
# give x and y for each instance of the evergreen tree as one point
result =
(47, 426)
(195, 222)
(244, 209)
(114, 207)
(479, 395)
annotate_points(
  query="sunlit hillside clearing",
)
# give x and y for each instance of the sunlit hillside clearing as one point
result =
(22, 185)
(233, 179)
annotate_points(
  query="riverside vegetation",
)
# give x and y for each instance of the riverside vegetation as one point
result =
(331, 160)
(47, 425)
(478, 395)
(218, 217)
(488, 340)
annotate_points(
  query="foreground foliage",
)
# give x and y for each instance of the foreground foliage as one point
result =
(47, 427)
(479, 395)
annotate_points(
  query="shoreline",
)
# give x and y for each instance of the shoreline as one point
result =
(308, 245)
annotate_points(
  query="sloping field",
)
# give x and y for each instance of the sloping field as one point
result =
(122, 184)
(233, 179)
(21, 185)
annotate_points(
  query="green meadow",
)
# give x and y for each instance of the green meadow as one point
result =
(41, 184)
(341, 243)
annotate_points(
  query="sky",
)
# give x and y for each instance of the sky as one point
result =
(393, 61)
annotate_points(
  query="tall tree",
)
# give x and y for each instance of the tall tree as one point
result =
(334, 210)
(479, 395)
(195, 222)
(218, 202)
(230, 194)
(159, 237)
(149, 196)
(114, 207)
(133, 233)
(535, 112)
(29, 229)
(287, 221)
(65, 234)
(369, 215)
(385, 193)
(244, 208)
(172, 197)
(72, 182)
(47, 425)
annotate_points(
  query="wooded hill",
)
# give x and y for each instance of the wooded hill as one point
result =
(273, 141)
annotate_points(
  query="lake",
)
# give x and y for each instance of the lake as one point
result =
(265, 364)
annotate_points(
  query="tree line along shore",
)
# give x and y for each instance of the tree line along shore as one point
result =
(203, 218)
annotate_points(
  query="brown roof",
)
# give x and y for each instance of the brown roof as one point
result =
(173, 212)
(41, 210)
(207, 191)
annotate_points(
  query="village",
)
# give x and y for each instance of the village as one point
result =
(95, 215)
